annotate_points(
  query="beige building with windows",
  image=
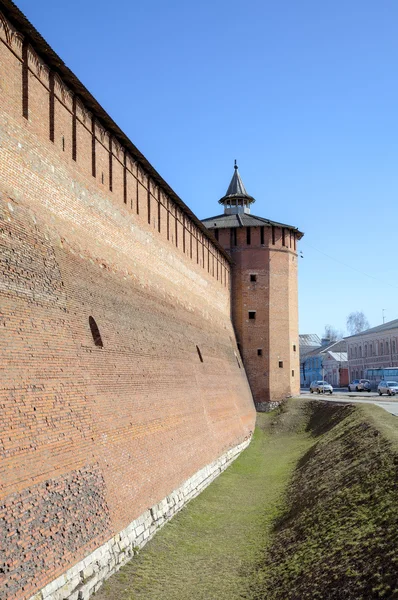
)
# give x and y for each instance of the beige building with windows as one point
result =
(375, 348)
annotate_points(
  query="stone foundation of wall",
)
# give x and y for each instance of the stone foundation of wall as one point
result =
(87, 576)
(267, 406)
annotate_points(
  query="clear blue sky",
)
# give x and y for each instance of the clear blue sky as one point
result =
(303, 94)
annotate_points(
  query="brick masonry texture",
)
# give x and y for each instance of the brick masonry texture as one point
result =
(92, 435)
(87, 576)
(271, 257)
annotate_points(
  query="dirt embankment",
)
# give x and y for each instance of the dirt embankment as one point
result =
(337, 537)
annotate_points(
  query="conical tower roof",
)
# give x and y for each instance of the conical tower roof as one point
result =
(236, 193)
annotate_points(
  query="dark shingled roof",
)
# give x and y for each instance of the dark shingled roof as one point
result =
(21, 23)
(236, 189)
(244, 220)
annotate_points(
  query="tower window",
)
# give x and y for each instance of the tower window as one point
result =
(252, 314)
(95, 332)
(273, 235)
(199, 354)
(259, 351)
(233, 236)
(294, 347)
(253, 277)
(281, 364)
(262, 235)
(216, 234)
(283, 237)
(292, 373)
(248, 236)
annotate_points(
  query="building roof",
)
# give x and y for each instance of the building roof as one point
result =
(236, 189)
(309, 339)
(54, 62)
(379, 328)
(339, 356)
(244, 220)
(339, 346)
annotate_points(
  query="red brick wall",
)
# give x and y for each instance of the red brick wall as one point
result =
(273, 297)
(91, 436)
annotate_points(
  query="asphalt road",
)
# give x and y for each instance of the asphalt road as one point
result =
(390, 405)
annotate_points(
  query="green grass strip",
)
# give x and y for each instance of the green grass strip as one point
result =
(212, 548)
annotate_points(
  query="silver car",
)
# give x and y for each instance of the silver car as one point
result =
(321, 387)
(388, 387)
(359, 385)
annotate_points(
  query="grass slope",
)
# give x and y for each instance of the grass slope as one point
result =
(210, 550)
(308, 511)
(338, 538)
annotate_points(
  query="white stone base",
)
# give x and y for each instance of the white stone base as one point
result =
(87, 576)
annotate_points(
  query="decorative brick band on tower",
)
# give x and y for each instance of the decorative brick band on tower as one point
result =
(263, 294)
(115, 326)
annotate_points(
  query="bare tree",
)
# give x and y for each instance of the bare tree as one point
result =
(332, 334)
(357, 322)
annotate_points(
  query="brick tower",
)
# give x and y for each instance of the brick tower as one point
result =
(263, 295)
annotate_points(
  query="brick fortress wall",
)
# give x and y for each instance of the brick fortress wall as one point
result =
(269, 342)
(92, 436)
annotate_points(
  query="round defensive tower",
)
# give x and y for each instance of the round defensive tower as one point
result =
(264, 295)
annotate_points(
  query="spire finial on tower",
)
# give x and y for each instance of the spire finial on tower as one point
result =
(236, 199)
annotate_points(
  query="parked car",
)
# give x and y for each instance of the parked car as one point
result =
(321, 387)
(388, 387)
(359, 385)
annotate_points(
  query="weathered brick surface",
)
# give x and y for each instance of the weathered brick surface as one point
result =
(86, 231)
(274, 298)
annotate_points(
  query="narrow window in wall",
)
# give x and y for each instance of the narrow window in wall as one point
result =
(283, 237)
(216, 234)
(197, 248)
(273, 234)
(281, 364)
(110, 165)
(253, 277)
(259, 351)
(199, 353)
(63, 143)
(25, 80)
(233, 236)
(290, 238)
(149, 202)
(93, 162)
(168, 219)
(51, 105)
(292, 373)
(294, 347)
(252, 314)
(74, 125)
(176, 226)
(125, 177)
(262, 235)
(190, 242)
(159, 211)
(183, 234)
(294, 240)
(95, 332)
(248, 236)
